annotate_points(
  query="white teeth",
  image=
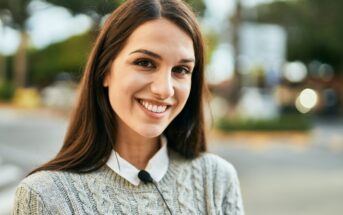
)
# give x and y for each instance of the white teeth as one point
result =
(153, 108)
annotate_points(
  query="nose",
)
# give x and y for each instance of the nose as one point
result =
(162, 85)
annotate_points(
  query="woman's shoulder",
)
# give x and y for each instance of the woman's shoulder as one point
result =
(34, 191)
(211, 165)
(218, 165)
(42, 181)
(53, 181)
(223, 180)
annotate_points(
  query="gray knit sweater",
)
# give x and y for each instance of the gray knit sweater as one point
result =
(205, 185)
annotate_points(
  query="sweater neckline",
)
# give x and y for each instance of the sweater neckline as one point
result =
(117, 181)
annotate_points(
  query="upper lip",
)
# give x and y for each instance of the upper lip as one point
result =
(154, 102)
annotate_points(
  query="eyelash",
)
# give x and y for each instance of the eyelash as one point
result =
(148, 64)
(185, 70)
(145, 63)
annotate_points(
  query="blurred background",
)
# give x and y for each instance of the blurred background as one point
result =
(274, 69)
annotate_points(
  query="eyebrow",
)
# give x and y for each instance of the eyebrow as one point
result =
(154, 55)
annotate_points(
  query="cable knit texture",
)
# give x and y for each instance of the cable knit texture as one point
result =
(205, 185)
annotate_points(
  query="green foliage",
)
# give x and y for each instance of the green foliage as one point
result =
(8, 73)
(6, 91)
(314, 28)
(211, 42)
(198, 6)
(17, 10)
(289, 122)
(14, 13)
(89, 7)
(67, 56)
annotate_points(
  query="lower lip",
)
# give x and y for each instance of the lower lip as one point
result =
(152, 114)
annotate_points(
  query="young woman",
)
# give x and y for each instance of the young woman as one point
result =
(140, 108)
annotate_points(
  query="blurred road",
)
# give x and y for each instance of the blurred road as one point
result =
(27, 139)
(290, 174)
(280, 174)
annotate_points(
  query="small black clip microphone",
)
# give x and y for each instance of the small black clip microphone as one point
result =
(146, 178)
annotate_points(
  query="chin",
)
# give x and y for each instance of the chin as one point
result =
(150, 132)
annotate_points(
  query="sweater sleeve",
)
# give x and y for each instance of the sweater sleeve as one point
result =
(27, 201)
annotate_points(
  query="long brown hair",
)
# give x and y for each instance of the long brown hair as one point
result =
(91, 133)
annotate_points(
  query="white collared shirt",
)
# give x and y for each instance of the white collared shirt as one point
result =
(157, 165)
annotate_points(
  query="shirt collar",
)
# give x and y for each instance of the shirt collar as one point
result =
(157, 165)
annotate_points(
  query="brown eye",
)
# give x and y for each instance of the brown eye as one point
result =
(181, 70)
(144, 63)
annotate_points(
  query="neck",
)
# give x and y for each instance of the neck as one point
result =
(136, 149)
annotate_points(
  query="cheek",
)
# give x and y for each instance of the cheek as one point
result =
(116, 92)
(123, 86)
(184, 92)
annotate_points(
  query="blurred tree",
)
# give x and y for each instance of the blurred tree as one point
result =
(2, 58)
(66, 56)
(2, 68)
(314, 28)
(236, 19)
(95, 9)
(198, 6)
(211, 40)
(14, 13)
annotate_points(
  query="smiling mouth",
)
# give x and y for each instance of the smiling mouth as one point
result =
(153, 107)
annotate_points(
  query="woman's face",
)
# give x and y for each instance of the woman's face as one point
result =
(150, 79)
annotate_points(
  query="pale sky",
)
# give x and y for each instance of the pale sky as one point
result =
(59, 25)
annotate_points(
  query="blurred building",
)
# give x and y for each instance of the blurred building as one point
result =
(262, 53)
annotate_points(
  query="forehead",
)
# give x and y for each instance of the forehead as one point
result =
(162, 36)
